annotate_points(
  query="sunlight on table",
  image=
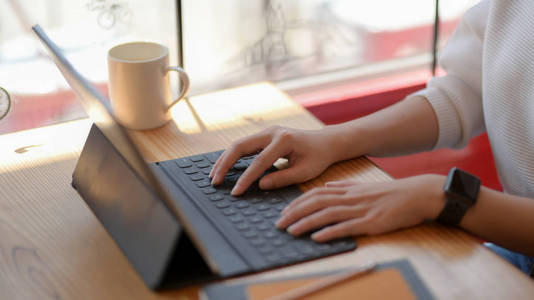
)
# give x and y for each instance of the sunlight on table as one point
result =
(222, 109)
(41, 146)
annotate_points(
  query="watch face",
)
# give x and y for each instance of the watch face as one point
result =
(5, 103)
(462, 185)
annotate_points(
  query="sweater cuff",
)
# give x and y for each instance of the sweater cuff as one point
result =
(450, 129)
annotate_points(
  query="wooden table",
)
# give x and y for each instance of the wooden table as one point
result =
(52, 246)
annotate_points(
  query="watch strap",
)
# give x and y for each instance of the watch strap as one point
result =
(461, 192)
(452, 213)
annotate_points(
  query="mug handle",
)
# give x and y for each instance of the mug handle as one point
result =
(185, 83)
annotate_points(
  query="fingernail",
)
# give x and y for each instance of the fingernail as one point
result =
(287, 209)
(235, 191)
(215, 179)
(291, 229)
(318, 236)
(266, 183)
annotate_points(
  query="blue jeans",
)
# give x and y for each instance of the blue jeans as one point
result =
(523, 262)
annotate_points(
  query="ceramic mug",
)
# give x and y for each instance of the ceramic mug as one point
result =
(139, 84)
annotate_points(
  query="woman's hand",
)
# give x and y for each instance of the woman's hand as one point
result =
(309, 153)
(348, 208)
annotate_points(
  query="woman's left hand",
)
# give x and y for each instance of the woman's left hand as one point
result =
(349, 208)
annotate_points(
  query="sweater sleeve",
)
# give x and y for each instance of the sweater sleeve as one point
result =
(457, 97)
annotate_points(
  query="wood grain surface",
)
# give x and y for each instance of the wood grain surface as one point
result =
(53, 247)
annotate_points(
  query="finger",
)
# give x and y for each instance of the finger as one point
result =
(341, 183)
(316, 192)
(217, 163)
(285, 177)
(240, 148)
(312, 193)
(262, 162)
(327, 216)
(351, 227)
(230, 156)
(314, 204)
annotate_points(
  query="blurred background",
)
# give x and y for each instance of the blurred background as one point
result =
(302, 46)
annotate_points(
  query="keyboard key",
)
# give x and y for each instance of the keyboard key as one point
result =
(264, 226)
(250, 234)
(236, 218)
(190, 171)
(286, 237)
(266, 249)
(271, 234)
(280, 207)
(229, 211)
(275, 200)
(249, 211)
(255, 200)
(196, 158)
(242, 226)
(183, 163)
(242, 204)
(270, 214)
(233, 199)
(212, 157)
(203, 183)
(323, 247)
(278, 242)
(345, 243)
(225, 190)
(216, 197)
(289, 253)
(256, 219)
(206, 172)
(263, 207)
(223, 204)
(257, 242)
(240, 166)
(305, 249)
(338, 244)
(209, 191)
(202, 165)
(273, 257)
(197, 177)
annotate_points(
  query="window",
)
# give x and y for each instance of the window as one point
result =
(297, 44)
(228, 43)
(85, 30)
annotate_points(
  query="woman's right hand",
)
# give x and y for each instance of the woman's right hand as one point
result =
(309, 153)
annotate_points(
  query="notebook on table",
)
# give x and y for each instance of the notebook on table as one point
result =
(391, 280)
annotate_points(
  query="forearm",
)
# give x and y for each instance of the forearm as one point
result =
(503, 219)
(405, 127)
(497, 217)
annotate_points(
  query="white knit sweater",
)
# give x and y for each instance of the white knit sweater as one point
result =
(490, 86)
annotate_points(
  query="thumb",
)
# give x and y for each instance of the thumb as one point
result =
(283, 178)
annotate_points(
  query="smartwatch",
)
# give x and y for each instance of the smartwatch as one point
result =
(461, 192)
